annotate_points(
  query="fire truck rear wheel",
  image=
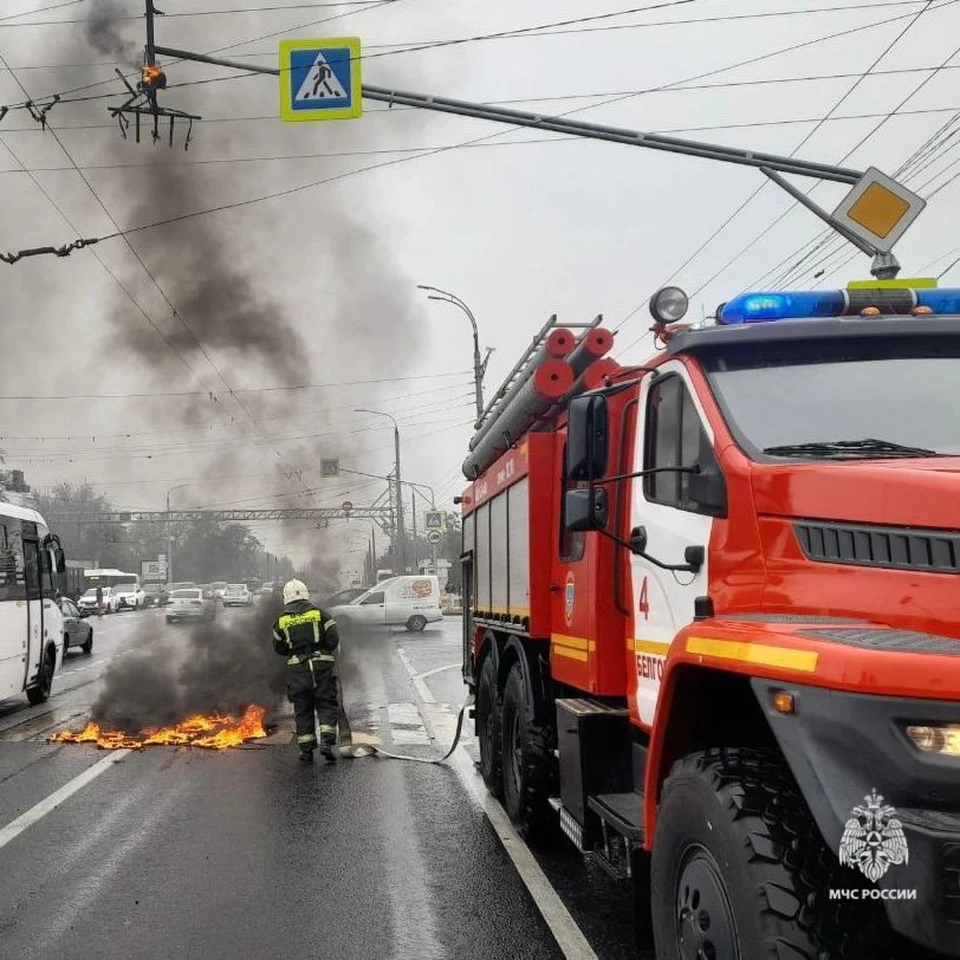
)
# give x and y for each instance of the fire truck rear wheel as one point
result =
(488, 727)
(739, 870)
(528, 764)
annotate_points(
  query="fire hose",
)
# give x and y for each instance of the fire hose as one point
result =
(370, 750)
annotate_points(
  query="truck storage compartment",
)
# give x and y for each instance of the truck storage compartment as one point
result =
(595, 757)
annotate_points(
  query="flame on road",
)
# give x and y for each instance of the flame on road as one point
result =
(213, 732)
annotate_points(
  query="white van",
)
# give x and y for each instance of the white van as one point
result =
(411, 601)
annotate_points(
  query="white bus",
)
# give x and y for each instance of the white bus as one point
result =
(31, 625)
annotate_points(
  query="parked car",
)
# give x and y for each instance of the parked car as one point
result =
(411, 601)
(77, 632)
(267, 589)
(237, 595)
(88, 602)
(130, 596)
(190, 604)
(154, 595)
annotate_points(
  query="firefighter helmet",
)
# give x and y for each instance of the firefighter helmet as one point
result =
(295, 590)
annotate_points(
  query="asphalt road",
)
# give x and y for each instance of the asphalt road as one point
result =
(248, 854)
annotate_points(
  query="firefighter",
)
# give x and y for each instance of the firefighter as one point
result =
(308, 638)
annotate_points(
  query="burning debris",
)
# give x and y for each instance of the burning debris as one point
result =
(213, 732)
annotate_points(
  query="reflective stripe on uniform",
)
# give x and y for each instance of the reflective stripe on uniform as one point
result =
(307, 738)
(307, 658)
(329, 624)
(289, 620)
(327, 728)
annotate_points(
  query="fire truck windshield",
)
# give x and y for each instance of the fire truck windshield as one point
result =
(843, 400)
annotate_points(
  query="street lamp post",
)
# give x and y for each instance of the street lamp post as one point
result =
(479, 366)
(169, 535)
(401, 560)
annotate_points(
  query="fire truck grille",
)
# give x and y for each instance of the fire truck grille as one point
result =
(906, 641)
(895, 548)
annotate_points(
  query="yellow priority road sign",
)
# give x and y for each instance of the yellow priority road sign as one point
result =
(320, 79)
(879, 210)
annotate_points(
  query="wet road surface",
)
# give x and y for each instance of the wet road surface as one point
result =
(248, 854)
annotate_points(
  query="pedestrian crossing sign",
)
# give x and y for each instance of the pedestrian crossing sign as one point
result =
(320, 79)
(434, 520)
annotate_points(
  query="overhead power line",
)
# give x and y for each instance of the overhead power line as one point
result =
(244, 390)
(30, 13)
(393, 161)
(545, 29)
(913, 18)
(427, 148)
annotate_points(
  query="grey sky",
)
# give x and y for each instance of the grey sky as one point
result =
(519, 230)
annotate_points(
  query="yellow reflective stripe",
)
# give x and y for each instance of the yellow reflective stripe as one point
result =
(570, 654)
(326, 657)
(658, 648)
(572, 643)
(326, 728)
(766, 655)
(289, 620)
(307, 738)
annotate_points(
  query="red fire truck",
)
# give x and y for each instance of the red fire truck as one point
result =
(711, 617)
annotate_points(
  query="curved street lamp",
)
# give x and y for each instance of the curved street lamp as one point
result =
(479, 366)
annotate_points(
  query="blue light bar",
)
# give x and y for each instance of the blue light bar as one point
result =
(939, 301)
(763, 307)
(814, 304)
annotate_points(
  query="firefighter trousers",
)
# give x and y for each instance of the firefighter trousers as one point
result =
(312, 688)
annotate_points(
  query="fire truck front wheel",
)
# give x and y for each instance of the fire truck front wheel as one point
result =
(527, 751)
(739, 871)
(488, 726)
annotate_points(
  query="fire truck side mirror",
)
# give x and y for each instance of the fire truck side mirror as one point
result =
(587, 438)
(585, 509)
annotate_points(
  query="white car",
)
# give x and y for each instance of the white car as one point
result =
(190, 604)
(237, 595)
(130, 596)
(412, 602)
(111, 602)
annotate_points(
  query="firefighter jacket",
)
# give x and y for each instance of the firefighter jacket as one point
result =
(304, 634)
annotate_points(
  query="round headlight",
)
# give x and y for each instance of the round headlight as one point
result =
(668, 305)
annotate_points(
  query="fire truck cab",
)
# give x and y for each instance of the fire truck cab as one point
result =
(710, 618)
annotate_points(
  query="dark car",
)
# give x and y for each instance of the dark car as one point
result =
(77, 631)
(155, 595)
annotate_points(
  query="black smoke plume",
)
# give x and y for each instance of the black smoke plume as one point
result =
(102, 32)
(223, 667)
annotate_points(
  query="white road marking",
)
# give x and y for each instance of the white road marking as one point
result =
(570, 938)
(41, 809)
(422, 689)
(403, 738)
(430, 673)
(564, 928)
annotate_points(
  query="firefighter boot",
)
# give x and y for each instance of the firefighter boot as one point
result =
(306, 756)
(329, 751)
